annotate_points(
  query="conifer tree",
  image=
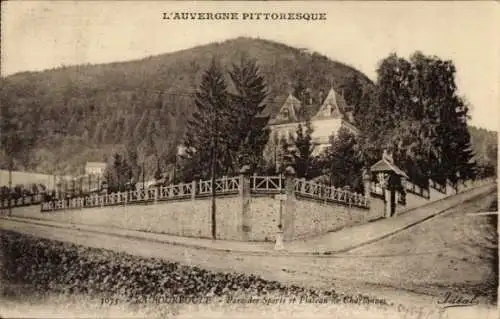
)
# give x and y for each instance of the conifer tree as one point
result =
(132, 158)
(456, 150)
(343, 160)
(118, 173)
(110, 173)
(19, 130)
(250, 126)
(207, 139)
(303, 149)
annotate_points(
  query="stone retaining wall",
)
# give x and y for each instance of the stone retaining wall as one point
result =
(243, 216)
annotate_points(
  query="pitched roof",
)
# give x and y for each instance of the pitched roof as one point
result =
(273, 106)
(298, 112)
(334, 106)
(384, 165)
(350, 126)
(289, 110)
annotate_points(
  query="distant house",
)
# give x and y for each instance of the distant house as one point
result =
(332, 114)
(95, 168)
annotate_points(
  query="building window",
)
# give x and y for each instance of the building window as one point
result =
(285, 114)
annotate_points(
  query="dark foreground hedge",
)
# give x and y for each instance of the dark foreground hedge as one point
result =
(56, 267)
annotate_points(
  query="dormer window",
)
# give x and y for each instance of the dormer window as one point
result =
(328, 110)
(285, 114)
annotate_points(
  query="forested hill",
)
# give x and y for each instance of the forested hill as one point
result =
(485, 145)
(88, 111)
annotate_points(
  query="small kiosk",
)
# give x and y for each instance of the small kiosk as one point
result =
(391, 179)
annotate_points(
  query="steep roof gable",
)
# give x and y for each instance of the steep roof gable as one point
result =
(330, 107)
(387, 164)
(288, 111)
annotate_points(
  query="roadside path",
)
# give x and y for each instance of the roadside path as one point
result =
(402, 278)
(330, 243)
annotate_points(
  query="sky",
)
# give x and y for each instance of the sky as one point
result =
(39, 35)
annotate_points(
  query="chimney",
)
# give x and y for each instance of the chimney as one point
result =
(308, 97)
(321, 97)
(387, 155)
(350, 117)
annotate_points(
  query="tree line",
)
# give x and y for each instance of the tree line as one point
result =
(413, 110)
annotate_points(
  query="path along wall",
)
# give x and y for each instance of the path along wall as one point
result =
(414, 200)
(315, 216)
(246, 214)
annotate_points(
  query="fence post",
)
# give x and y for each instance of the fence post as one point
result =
(324, 193)
(156, 195)
(242, 222)
(193, 191)
(289, 211)
(367, 182)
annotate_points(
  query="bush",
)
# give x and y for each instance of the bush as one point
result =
(56, 267)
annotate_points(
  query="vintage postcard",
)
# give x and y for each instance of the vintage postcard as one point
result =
(288, 159)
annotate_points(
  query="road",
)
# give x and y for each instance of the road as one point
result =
(403, 276)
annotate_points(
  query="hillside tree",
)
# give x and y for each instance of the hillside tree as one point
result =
(250, 132)
(19, 127)
(208, 133)
(118, 173)
(302, 150)
(343, 162)
(132, 158)
(421, 119)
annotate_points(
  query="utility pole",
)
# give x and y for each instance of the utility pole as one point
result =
(11, 164)
(214, 169)
(275, 157)
(143, 176)
(54, 185)
(81, 185)
(175, 166)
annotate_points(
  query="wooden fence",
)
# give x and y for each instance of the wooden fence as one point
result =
(200, 189)
(329, 194)
(22, 201)
(440, 188)
(377, 189)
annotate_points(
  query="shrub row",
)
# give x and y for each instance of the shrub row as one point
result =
(48, 266)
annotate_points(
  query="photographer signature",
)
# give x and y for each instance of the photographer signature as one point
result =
(453, 300)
